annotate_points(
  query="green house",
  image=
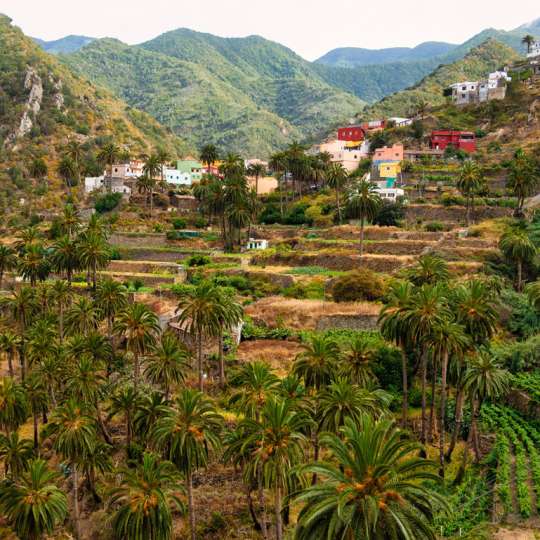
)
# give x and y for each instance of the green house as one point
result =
(190, 166)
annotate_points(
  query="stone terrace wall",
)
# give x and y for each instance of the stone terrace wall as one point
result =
(452, 214)
(347, 322)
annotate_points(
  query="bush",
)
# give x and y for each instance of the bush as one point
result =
(314, 215)
(297, 215)
(198, 260)
(390, 214)
(311, 290)
(434, 226)
(270, 215)
(200, 223)
(357, 286)
(449, 199)
(107, 202)
(179, 223)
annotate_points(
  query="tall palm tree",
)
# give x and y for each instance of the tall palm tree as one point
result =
(8, 261)
(167, 362)
(146, 185)
(256, 170)
(142, 502)
(364, 203)
(316, 364)
(74, 434)
(34, 264)
(372, 487)
(125, 401)
(163, 158)
(523, 179)
(74, 151)
(65, 257)
(484, 379)
(518, 247)
(10, 344)
(336, 177)
(13, 405)
(70, 220)
(94, 252)
(139, 326)
(533, 292)
(149, 408)
(110, 299)
(38, 401)
(208, 155)
(82, 317)
(469, 183)
(62, 295)
(16, 453)
(357, 358)
(67, 171)
(188, 431)
(528, 40)
(201, 314)
(151, 170)
(278, 438)
(394, 326)
(34, 505)
(232, 166)
(107, 155)
(430, 269)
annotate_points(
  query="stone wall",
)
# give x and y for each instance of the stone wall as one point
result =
(452, 214)
(347, 322)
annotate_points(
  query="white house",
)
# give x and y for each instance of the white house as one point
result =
(91, 183)
(400, 122)
(96, 183)
(534, 50)
(390, 194)
(464, 92)
(177, 178)
(257, 243)
(348, 153)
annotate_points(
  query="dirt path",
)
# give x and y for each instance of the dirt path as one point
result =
(515, 534)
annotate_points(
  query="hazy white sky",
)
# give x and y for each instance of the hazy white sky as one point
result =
(309, 27)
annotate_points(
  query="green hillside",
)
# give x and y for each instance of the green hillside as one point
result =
(247, 95)
(67, 44)
(487, 57)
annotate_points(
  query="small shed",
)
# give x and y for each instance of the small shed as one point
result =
(257, 243)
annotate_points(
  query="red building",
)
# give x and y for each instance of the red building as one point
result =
(460, 140)
(351, 133)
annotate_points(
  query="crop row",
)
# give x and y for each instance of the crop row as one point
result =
(529, 382)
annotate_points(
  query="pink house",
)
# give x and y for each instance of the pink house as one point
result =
(389, 153)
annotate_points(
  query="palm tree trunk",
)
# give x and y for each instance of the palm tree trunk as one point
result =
(76, 502)
(519, 275)
(262, 503)
(128, 428)
(10, 364)
(405, 405)
(472, 208)
(61, 322)
(151, 201)
(476, 435)
(444, 370)
(432, 405)
(362, 235)
(279, 521)
(423, 370)
(200, 361)
(457, 424)
(1, 278)
(316, 450)
(102, 425)
(135, 370)
(36, 432)
(191, 509)
(221, 360)
(253, 515)
(468, 215)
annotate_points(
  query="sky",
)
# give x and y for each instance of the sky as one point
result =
(309, 27)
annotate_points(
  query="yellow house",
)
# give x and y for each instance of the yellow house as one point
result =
(389, 169)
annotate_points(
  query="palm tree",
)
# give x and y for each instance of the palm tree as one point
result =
(336, 176)
(316, 364)
(34, 264)
(518, 247)
(150, 407)
(142, 502)
(256, 170)
(278, 438)
(67, 171)
(356, 362)
(9, 345)
(429, 270)
(364, 203)
(34, 505)
(533, 292)
(393, 324)
(446, 339)
(108, 155)
(523, 179)
(16, 453)
(70, 220)
(38, 401)
(146, 185)
(38, 169)
(372, 487)
(110, 299)
(208, 155)
(97, 461)
(65, 257)
(8, 261)
(232, 166)
(13, 405)
(469, 183)
(528, 40)
(74, 151)
(484, 379)
(253, 384)
(125, 401)
(139, 325)
(62, 298)
(167, 362)
(74, 434)
(201, 314)
(94, 252)
(82, 317)
(163, 158)
(151, 170)
(188, 431)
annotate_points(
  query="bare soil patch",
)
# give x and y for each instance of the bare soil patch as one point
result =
(278, 354)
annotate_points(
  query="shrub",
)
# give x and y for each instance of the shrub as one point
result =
(314, 215)
(310, 290)
(434, 226)
(270, 215)
(297, 215)
(449, 199)
(200, 223)
(358, 285)
(179, 223)
(390, 214)
(198, 260)
(107, 202)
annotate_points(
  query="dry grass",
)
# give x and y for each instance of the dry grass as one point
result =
(278, 354)
(304, 314)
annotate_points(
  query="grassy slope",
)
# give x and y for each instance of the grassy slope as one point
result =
(248, 95)
(477, 63)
